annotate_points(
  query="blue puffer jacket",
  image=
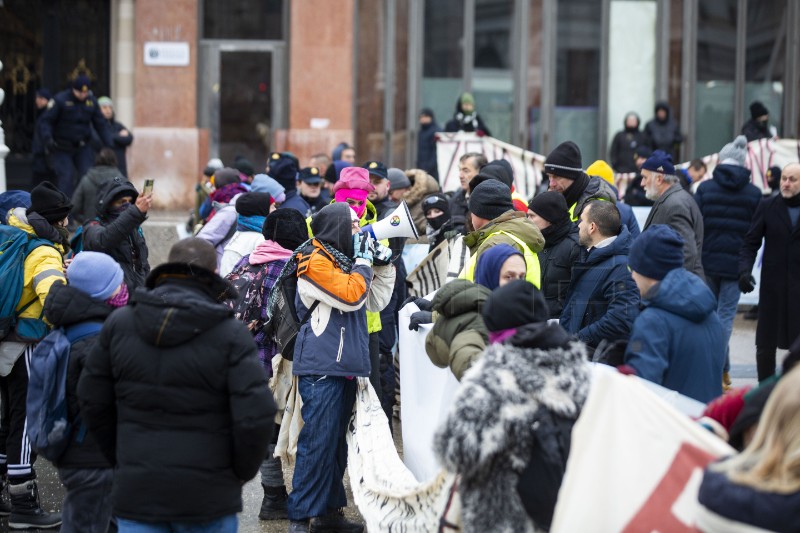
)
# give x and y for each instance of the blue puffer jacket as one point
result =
(602, 301)
(727, 202)
(677, 340)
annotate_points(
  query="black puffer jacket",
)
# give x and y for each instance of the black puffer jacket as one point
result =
(174, 393)
(66, 306)
(561, 251)
(119, 235)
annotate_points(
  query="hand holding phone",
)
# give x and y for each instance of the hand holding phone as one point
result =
(148, 187)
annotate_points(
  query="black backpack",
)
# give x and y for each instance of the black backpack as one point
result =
(283, 324)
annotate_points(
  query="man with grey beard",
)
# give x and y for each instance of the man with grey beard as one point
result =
(674, 207)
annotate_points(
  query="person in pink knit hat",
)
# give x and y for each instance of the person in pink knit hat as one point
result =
(353, 187)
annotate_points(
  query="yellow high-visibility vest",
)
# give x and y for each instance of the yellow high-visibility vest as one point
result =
(532, 270)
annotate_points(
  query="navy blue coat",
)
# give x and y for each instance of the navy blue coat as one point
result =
(426, 148)
(677, 340)
(69, 121)
(602, 301)
(727, 203)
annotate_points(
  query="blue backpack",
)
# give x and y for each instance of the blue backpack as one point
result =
(49, 427)
(15, 245)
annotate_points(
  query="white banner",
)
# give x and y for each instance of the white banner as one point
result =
(635, 462)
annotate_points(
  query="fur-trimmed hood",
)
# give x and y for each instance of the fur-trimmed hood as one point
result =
(496, 419)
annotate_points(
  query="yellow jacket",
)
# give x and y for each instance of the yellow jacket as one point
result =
(43, 267)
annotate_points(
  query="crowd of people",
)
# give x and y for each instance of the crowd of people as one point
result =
(173, 397)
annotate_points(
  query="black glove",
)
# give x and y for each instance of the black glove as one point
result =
(419, 318)
(746, 282)
(422, 303)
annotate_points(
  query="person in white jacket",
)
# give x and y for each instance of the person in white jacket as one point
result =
(252, 209)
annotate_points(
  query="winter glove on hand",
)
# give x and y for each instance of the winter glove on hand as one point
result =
(364, 246)
(382, 253)
(422, 303)
(419, 318)
(746, 282)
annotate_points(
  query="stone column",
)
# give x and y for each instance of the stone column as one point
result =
(123, 53)
(321, 79)
(168, 146)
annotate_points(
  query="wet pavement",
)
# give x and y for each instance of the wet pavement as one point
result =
(163, 229)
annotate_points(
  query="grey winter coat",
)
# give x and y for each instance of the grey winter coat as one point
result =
(678, 209)
(492, 430)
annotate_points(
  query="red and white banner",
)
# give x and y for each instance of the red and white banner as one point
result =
(635, 462)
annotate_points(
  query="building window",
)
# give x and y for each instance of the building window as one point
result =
(243, 19)
(443, 66)
(765, 57)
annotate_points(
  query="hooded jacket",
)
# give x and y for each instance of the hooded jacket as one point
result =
(513, 222)
(623, 147)
(426, 147)
(596, 189)
(241, 244)
(422, 184)
(727, 202)
(664, 135)
(469, 123)
(67, 306)
(677, 340)
(459, 334)
(119, 235)
(602, 300)
(335, 340)
(43, 267)
(177, 399)
(506, 414)
(85, 196)
(561, 251)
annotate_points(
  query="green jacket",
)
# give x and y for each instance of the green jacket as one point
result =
(459, 335)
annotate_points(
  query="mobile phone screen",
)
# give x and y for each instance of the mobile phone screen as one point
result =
(148, 187)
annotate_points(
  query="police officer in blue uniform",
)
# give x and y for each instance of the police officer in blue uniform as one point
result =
(66, 130)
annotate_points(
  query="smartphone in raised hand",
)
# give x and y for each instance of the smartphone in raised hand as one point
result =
(148, 187)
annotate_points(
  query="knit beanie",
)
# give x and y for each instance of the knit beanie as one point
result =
(467, 98)
(287, 227)
(225, 176)
(95, 273)
(263, 183)
(253, 204)
(48, 201)
(243, 165)
(354, 178)
(564, 161)
(499, 169)
(660, 161)
(602, 169)
(734, 153)
(398, 179)
(551, 206)
(656, 252)
(515, 304)
(757, 109)
(105, 100)
(490, 199)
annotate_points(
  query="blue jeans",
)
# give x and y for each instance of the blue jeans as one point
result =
(227, 524)
(317, 486)
(87, 502)
(727, 293)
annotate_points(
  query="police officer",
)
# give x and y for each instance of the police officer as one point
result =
(66, 132)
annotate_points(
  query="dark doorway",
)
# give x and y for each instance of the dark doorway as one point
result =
(45, 44)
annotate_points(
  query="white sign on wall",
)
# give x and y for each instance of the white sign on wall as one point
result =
(166, 54)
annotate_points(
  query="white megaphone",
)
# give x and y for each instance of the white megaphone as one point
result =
(398, 224)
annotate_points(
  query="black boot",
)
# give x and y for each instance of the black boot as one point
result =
(5, 504)
(335, 522)
(26, 512)
(273, 506)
